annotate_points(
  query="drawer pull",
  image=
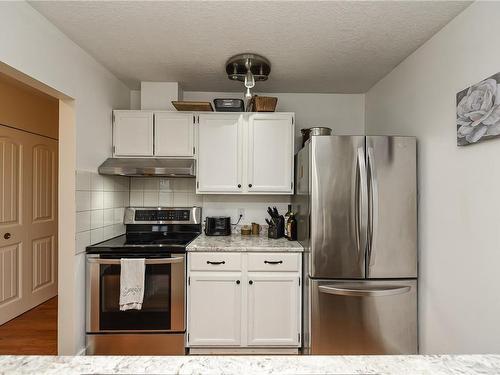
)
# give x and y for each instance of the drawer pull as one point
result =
(273, 262)
(216, 263)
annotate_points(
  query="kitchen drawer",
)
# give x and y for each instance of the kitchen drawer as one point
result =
(216, 261)
(273, 262)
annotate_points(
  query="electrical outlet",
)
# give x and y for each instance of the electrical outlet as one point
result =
(241, 213)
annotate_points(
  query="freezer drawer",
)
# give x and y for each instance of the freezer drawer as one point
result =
(362, 317)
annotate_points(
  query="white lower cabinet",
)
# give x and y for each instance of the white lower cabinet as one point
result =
(259, 306)
(273, 317)
(215, 309)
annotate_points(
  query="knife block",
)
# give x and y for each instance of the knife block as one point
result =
(277, 230)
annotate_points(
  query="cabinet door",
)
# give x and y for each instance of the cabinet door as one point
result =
(219, 153)
(214, 309)
(133, 133)
(174, 134)
(270, 153)
(273, 309)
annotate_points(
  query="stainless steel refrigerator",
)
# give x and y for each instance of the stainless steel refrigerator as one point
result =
(356, 204)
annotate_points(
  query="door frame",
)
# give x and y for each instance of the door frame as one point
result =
(67, 331)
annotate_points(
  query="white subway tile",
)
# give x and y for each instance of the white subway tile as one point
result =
(166, 199)
(108, 183)
(108, 199)
(96, 235)
(151, 183)
(195, 199)
(96, 182)
(137, 198)
(82, 221)
(82, 241)
(109, 216)
(96, 200)
(150, 198)
(82, 200)
(96, 219)
(166, 184)
(82, 180)
(118, 215)
(181, 199)
(125, 199)
(108, 232)
(122, 183)
(136, 183)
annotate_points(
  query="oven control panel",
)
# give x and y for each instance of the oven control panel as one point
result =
(163, 215)
(179, 215)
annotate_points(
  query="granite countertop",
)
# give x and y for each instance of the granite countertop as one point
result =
(237, 242)
(255, 365)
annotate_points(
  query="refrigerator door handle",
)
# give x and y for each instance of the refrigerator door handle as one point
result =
(373, 207)
(380, 291)
(362, 206)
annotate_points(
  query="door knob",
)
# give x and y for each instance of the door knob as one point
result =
(6, 236)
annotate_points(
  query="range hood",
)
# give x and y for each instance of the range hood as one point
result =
(148, 167)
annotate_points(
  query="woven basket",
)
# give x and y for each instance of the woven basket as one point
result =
(263, 103)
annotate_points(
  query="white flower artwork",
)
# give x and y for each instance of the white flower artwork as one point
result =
(478, 112)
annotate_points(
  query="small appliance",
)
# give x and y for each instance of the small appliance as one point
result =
(218, 226)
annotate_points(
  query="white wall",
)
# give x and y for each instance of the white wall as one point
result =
(459, 216)
(344, 113)
(32, 45)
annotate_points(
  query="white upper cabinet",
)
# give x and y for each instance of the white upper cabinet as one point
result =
(219, 167)
(174, 134)
(245, 153)
(133, 133)
(270, 153)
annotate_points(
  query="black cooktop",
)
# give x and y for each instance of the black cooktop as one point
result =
(149, 238)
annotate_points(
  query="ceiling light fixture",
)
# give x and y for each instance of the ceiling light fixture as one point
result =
(248, 68)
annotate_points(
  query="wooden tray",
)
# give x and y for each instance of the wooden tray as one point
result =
(190, 106)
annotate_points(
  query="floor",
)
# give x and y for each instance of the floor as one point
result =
(34, 332)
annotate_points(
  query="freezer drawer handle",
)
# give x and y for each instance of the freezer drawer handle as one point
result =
(273, 262)
(147, 261)
(372, 292)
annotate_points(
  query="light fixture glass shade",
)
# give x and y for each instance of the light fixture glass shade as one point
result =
(249, 80)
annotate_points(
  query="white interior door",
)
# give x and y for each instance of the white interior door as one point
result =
(133, 133)
(28, 221)
(219, 153)
(174, 134)
(270, 153)
(273, 309)
(214, 309)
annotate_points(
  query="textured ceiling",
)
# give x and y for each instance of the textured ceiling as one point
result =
(331, 47)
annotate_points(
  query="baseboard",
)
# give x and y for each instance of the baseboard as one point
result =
(243, 351)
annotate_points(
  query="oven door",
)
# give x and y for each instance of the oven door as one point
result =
(163, 305)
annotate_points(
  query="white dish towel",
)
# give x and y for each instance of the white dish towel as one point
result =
(132, 283)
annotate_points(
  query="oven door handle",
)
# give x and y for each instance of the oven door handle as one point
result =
(147, 261)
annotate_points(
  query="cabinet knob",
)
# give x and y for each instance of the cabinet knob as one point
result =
(239, 185)
(249, 185)
(250, 282)
(6, 236)
(238, 282)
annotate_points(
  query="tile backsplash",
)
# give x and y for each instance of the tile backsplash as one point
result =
(100, 204)
(178, 192)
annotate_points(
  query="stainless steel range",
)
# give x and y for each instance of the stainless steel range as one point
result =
(160, 235)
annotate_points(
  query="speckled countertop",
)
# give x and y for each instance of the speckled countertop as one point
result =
(255, 365)
(237, 242)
